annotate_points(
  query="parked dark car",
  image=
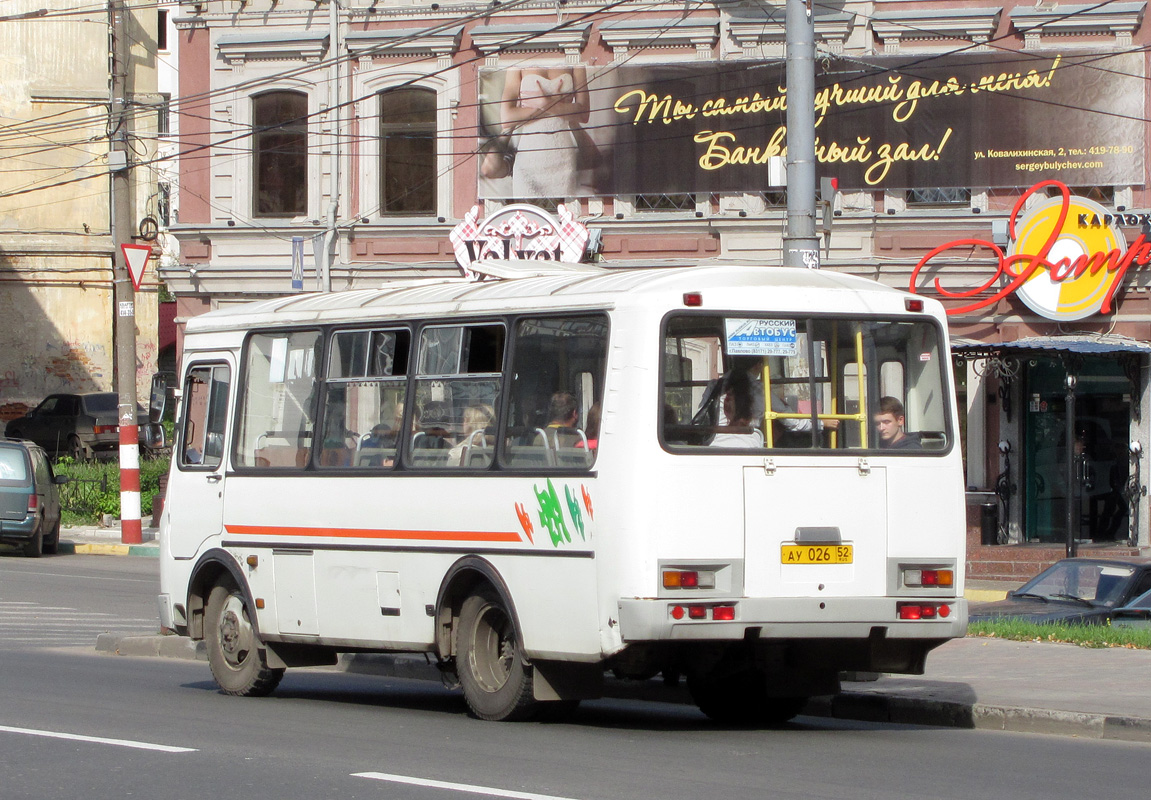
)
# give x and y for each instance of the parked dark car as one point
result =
(29, 498)
(82, 426)
(1074, 590)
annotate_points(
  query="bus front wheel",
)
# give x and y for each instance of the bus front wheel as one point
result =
(238, 664)
(497, 683)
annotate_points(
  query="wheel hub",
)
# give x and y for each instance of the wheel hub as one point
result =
(235, 632)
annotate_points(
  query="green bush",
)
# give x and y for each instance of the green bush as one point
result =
(94, 488)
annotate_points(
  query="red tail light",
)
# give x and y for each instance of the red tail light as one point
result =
(922, 610)
(33, 502)
(723, 613)
(106, 428)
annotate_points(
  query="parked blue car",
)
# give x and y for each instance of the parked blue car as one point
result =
(29, 498)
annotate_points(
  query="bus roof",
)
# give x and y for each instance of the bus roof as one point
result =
(549, 285)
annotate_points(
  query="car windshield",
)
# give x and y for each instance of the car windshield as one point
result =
(13, 465)
(1102, 584)
(103, 403)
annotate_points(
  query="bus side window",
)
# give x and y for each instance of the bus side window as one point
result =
(363, 400)
(458, 381)
(205, 416)
(556, 387)
(277, 407)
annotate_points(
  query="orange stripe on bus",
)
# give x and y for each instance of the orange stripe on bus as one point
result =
(375, 533)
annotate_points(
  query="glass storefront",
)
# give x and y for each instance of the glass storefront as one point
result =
(1100, 442)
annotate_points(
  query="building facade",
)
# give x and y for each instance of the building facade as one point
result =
(55, 234)
(338, 145)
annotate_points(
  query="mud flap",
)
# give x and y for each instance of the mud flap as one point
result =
(564, 680)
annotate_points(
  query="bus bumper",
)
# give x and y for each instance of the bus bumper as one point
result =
(765, 618)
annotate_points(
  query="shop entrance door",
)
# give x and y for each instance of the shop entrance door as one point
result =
(1102, 424)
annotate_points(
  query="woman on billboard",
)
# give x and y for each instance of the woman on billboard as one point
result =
(541, 112)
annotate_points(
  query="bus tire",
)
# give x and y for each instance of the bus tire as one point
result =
(496, 681)
(741, 698)
(237, 661)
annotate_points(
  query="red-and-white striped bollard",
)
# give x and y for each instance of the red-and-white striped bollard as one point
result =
(131, 530)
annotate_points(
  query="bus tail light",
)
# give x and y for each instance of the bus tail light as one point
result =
(928, 577)
(724, 613)
(913, 304)
(692, 299)
(914, 611)
(688, 579)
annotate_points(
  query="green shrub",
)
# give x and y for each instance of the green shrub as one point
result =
(94, 488)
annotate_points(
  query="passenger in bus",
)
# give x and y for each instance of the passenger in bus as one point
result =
(889, 422)
(563, 410)
(738, 411)
(592, 429)
(431, 429)
(790, 431)
(477, 419)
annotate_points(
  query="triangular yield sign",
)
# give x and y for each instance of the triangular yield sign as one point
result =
(136, 256)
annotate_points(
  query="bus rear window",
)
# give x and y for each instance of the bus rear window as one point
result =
(773, 382)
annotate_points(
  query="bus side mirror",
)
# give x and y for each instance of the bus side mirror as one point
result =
(158, 398)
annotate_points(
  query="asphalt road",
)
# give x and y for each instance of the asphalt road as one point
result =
(77, 724)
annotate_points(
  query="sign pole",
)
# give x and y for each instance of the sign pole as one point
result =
(800, 245)
(123, 295)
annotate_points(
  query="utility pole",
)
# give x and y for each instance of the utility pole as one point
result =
(123, 296)
(800, 244)
(330, 215)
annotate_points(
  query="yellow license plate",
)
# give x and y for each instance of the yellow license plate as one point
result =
(816, 554)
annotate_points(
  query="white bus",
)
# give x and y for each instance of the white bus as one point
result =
(543, 478)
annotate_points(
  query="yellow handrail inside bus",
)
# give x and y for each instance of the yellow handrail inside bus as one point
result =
(768, 414)
(862, 416)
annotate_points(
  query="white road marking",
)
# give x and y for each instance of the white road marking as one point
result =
(163, 748)
(456, 787)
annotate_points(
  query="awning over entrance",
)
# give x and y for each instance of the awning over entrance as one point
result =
(1084, 344)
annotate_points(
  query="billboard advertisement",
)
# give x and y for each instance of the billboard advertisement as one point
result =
(993, 119)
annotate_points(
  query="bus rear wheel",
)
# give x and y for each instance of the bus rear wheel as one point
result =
(497, 683)
(741, 698)
(238, 664)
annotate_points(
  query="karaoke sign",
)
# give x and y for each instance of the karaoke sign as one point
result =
(1066, 258)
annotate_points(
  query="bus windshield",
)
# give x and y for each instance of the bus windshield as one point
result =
(833, 384)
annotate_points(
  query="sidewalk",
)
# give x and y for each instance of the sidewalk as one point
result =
(992, 684)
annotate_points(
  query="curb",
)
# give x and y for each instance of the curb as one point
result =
(858, 706)
(73, 548)
(179, 647)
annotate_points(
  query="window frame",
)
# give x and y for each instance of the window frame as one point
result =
(946, 379)
(185, 409)
(326, 382)
(296, 126)
(242, 386)
(415, 326)
(385, 129)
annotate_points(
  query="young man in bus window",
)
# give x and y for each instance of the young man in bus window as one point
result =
(889, 423)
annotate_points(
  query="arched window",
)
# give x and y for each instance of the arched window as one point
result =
(408, 151)
(280, 154)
